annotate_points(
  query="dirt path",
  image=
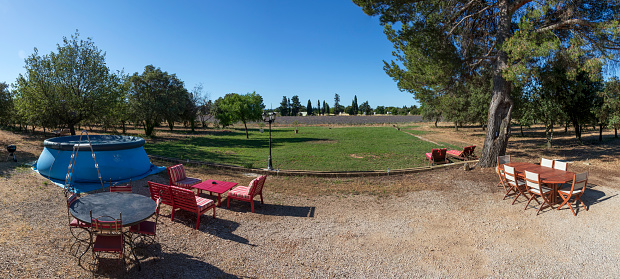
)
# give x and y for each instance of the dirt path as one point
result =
(422, 138)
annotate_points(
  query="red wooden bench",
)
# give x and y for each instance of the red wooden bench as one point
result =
(186, 200)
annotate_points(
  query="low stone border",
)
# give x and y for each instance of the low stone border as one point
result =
(315, 173)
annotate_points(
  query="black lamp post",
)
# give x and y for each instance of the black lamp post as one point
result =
(269, 117)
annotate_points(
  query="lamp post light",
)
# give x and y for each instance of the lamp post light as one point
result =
(270, 118)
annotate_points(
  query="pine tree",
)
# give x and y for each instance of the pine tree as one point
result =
(309, 108)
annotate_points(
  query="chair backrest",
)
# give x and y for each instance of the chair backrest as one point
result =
(509, 174)
(71, 199)
(256, 186)
(503, 160)
(184, 198)
(438, 154)
(176, 173)
(160, 190)
(500, 161)
(532, 180)
(546, 162)
(559, 165)
(121, 189)
(108, 226)
(468, 151)
(580, 180)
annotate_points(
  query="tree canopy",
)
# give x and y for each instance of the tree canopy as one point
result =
(154, 96)
(66, 86)
(440, 44)
(235, 108)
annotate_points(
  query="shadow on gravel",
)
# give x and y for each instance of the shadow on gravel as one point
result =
(274, 209)
(224, 229)
(592, 196)
(177, 265)
(288, 210)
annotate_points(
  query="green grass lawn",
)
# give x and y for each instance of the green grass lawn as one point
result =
(313, 148)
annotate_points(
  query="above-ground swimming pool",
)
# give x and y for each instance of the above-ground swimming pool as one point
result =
(120, 158)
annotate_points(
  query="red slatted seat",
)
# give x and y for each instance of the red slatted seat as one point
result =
(247, 193)
(186, 200)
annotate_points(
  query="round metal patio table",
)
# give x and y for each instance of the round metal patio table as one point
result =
(134, 209)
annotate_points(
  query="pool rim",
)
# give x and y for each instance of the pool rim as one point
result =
(99, 142)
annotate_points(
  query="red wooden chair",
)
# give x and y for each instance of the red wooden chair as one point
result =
(437, 156)
(148, 229)
(109, 235)
(121, 189)
(186, 200)
(247, 193)
(578, 187)
(177, 177)
(535, 188)
(158, 190)
(74, 224)
(466, 154)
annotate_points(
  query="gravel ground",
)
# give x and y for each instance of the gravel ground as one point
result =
(460, 229)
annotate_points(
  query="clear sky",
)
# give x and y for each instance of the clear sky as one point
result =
(312, 48)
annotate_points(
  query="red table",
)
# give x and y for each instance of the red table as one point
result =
(549, 176)
(215, 186)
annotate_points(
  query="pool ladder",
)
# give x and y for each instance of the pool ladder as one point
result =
(76, 149)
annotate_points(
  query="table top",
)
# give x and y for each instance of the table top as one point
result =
(218, 187)
(547, 175)
(133, 207)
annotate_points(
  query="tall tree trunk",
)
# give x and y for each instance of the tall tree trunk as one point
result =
(500, 109)
(436, 120)
(549, 134)
(246, 130)
(615, 132)
(456, 126)
(521, 127)
(577, 130)
(600, 132)
(71, 129)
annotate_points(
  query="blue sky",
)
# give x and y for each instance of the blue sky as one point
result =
(312, 49)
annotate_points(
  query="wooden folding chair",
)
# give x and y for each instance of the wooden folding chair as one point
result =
(546, 162)
(501, 160)
(535, 188)
(578, 187)
(516, 187)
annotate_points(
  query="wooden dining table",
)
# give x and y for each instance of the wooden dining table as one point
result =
(549, 176)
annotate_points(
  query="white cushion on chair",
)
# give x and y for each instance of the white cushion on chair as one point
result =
(544, 189)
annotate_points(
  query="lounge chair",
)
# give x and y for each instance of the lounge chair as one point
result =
(437, 156)
(247, 193)
(466, 154)
(177, 177)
